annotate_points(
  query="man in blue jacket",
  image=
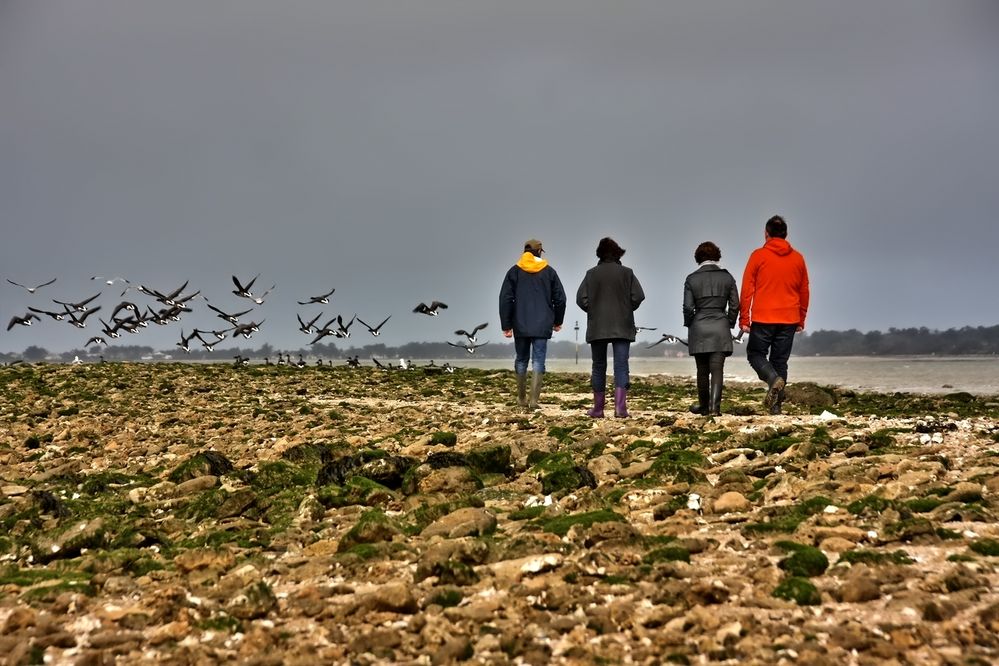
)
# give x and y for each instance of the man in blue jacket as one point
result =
(531, 306)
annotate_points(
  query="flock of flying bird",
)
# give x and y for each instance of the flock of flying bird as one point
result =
(129, 317)
(169, 306)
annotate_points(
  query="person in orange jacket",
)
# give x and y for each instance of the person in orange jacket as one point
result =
(773, 305)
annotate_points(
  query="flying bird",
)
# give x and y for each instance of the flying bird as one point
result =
(81, 321)
(22, 321)
(166, 299)
(259, 300)
(325, 298)
(343, 330)
(240, 290)
(430, 310)
(110, 331)
(110, 280)
(219, 335)
(79, 307)
(96, 340)
(247, 330)
(375, 331)
(308, 327)
(467, 346)
(31, 290)
(124, 305)
(231, 318)
(185, 341)
(668, 339)
(58, 316)
(471, 336)
(646, 328)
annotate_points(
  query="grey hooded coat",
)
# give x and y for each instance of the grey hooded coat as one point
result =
(710, 309)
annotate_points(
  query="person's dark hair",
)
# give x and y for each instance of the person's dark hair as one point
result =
(609, 250)
(777, 227)
(707, 251)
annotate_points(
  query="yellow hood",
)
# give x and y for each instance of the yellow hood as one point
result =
(532, 264)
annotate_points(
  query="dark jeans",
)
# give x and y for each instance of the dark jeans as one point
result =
(598, 376)
(533, 349)
(769, 348)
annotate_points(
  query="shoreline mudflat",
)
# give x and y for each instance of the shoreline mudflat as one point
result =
(202, 513)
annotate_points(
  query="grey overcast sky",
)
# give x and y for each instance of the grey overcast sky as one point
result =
(402, 151)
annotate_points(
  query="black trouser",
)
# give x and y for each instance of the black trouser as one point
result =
(769, 348)
(710, 369)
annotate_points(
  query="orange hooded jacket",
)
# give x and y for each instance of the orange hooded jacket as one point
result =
(774, 286)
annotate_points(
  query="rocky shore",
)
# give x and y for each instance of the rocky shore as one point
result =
(200, 514)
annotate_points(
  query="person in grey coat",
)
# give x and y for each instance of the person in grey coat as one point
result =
(609, 295)
(710, 310)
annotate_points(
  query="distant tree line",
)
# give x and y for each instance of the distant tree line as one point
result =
(968, 340)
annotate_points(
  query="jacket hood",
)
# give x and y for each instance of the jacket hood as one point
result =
(779, 246)
(531, 264)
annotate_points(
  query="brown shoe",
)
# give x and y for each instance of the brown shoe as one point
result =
(772, 398)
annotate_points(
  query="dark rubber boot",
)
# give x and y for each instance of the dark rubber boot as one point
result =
(599, 399)
(772, 399)
(536, 382)
(621, 402)
(715, 398)
(522, 390)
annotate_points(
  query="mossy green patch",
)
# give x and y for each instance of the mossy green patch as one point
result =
(880, 439)
(864, 556)
(447, 598)
(787, 519)
(276, 475)
(667, 554)
(805, 561)
(870, 505)
(417, 520)
(908, 529)
(527, 513)
(490, 459)
(680, 465)
(445, 437)
(985, 546)
(561, 525)
(220, 622)
(559, 473)
(14, 575)
(799, 590)
(564, 434)
(201, 464)
(923, 504)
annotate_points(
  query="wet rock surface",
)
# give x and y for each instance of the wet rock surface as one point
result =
(173, 514)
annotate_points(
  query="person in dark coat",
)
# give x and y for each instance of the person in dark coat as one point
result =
(609, 295)
(531, 306)
(710, 310)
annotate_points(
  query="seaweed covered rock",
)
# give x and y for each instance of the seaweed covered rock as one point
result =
(809, 395)
(204, 463)
(373, 527)
(490, 459)
(560, 474)
(71, 541)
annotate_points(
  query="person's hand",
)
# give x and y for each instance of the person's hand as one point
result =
(744, 329)
(508, 333)
(558, 328)
(799, 329)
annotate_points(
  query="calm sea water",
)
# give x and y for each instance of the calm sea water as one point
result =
(978, 375)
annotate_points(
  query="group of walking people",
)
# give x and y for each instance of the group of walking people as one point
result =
(771, 309)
